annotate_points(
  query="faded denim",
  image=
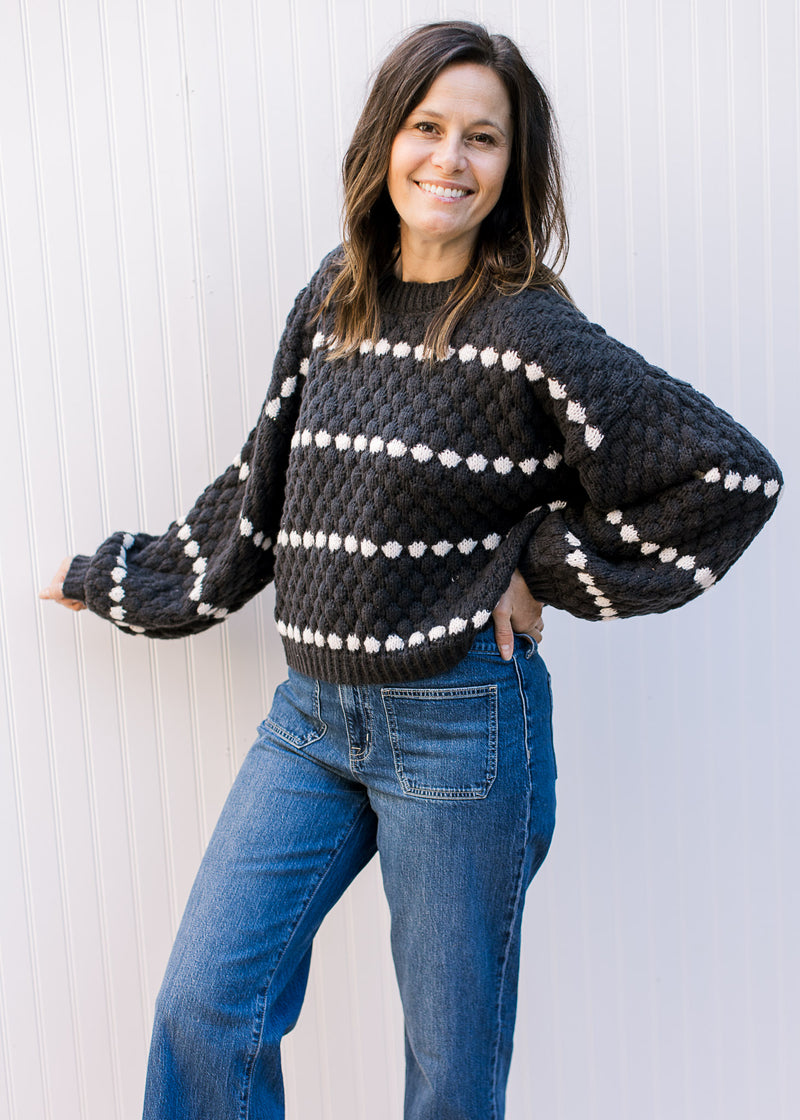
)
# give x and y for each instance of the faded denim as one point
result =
(452, 781)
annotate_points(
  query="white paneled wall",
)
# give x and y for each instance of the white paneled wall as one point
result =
(167, 182)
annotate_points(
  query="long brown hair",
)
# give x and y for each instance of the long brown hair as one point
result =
(527, 225)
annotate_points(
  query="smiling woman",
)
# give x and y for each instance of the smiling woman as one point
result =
(447, 443)
(521, 241)
(447, 168)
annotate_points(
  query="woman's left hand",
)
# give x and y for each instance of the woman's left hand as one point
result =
(516, 613)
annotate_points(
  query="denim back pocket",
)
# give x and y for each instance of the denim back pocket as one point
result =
(444, 740)
(295, 716)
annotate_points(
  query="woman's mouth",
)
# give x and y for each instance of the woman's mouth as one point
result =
(447, 194)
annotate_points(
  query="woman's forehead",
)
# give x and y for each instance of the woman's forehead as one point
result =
(469, 89)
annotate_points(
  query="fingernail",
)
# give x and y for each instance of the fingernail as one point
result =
(506, 651)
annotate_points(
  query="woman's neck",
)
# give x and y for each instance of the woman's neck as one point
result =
(431, 262)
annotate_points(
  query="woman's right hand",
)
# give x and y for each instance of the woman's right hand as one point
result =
(55, 588)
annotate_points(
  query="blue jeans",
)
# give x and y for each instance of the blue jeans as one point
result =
(452, 781)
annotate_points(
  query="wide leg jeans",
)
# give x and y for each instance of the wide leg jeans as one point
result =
(452, 781)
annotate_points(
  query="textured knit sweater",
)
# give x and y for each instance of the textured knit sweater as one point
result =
(391, 498)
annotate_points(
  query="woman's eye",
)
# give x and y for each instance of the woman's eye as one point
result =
(483, 138)
(425, 126)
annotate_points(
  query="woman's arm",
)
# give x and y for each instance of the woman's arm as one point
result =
(210, 562)
(672, 489)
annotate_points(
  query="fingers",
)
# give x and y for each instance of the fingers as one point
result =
(54, 590)
(503, 632)
(516, 612)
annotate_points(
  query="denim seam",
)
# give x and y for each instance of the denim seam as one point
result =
(524, 700)
(295, 741)
(258, 1024)
(448, 793)
(347, 727)
(457, 692)
(518, 895)
(356, 756)
(366, 710)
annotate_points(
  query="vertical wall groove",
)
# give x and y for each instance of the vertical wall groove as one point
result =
(732, 195)
(88, 332)
(121, 257)
(663, 185)
(300, 110)
(154, 231)
(233, 243)
(766, 179)
(203, 345)
(199, 271)
(591, 160)
(50, 794)
(625, 48)
(697, 154)
(10, 721)
(265, 174)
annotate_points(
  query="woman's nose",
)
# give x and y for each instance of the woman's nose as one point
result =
(449, 155)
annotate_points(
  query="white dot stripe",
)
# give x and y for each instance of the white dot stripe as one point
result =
(288, 387)
(259, 539)
(118, 574)
(192, 549)
(420, 452)
(666, 553)
(370, 644)
(510, 361)
(577, 559)
(599, 597)
(309, 539)
(732, 480)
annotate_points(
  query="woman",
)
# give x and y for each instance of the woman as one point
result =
(446, 444)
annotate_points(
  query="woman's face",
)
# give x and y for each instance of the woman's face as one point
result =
(448, 163)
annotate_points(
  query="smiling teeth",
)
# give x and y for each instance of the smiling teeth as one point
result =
(443, 192)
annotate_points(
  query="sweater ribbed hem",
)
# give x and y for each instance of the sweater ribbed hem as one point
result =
(346, 667)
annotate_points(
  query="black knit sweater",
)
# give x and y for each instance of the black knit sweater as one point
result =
(391, 499)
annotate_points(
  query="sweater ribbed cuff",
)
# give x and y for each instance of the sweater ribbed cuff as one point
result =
(74, 582)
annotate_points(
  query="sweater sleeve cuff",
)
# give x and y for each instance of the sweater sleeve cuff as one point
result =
(73, 587)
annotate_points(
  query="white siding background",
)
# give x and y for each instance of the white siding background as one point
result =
(167, 183)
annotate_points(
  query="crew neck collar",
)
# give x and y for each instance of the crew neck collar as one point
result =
(413, 295)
